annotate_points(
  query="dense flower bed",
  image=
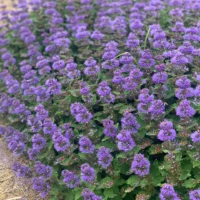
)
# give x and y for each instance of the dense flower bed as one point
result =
(102, 97)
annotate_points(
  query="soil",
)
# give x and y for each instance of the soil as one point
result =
(11, 187)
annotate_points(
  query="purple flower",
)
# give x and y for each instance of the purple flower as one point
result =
(140, 165)
(110, 64)
(90, 71)
(129, 122)
(104, 157)
(70, 179)
(126, 58)
(53, 86)
(144, 96)
(77, 108)
(160, 77)
(157, 108)
(166, 131)
(19, 148)
(97, 35)
(146, 60)
(61, 143)
(184, 109)
(129, 83)
(183, 82)
(125, 142)
(43, 170)
(184, 93)
(40, 185)
(195, 136)
(83, 118)
(167, 192)
(21, 170)
(87, 173)
(86, 145)
(87, 194)
(109, 128)
(132, 41)
(71, 66)
(179, 59)
(2, 130)
(118, 78)
(58, 65)
(85, 90)
(41, 113)
(38, 142)
(103, 89)
(90, 62)
(33, 154)
(194, 194)
(49, 127)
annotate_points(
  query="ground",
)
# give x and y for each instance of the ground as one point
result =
(11, 187)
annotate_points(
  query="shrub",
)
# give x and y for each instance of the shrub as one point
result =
(102, 97)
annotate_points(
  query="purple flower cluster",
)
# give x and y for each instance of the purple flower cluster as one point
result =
(125, 141)
(80, 112)
(70, 179)
(166, 131)
(104, 157)
(87, 173)
(89, 84)
(109, 128)
(167, 192)
(86, 145)
(21, 170)
(129, 122)
(140, 165)
(61, 142)
(195, 194)
(88, 194)
(195, 136)
(185, 110)
(185, 90)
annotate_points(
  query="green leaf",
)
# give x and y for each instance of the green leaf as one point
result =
(133, 180)
(77, 193)
(190, 183)
(195, 163)
(156, 176)
(109, 193)
(106, 183)
(186, 167)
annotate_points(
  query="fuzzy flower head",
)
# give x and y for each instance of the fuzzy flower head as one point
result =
(183, 82)
(157, 108)
(195, 136)
(140, 165)
(88, 194)
(167, 192)
(70, 179)
(129, 122)
(185, 110)
(104, 157)
(194, 194)
(103, 90)
(87, 173)
(125, 142)
(86, 145)
(166, 131)
(38, 142)
(80, 112)
(109, 128)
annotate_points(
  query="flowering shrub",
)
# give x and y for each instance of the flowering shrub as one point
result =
(102, 97)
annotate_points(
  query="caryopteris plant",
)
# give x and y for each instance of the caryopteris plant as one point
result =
(102, 97)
